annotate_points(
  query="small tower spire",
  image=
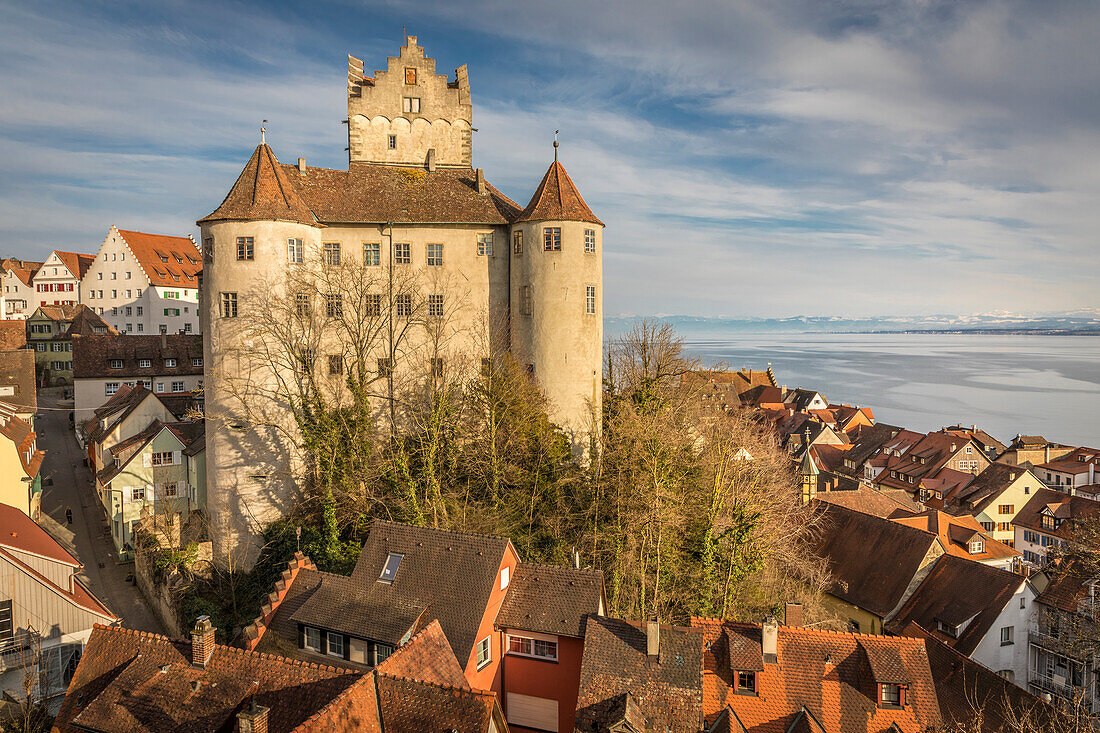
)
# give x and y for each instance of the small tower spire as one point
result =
(555, 146)
(263, 134)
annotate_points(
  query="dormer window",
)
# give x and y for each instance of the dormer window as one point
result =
(891, 696)
(389, 570)
(145, 363)
(947, 629)
(116, 363)
(976, 547)
(745, 683)
(169, 362)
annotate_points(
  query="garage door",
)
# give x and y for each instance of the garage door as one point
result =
(532, 712)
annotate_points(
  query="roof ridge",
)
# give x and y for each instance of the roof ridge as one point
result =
(807, 630)
(440, 685)
(570, 568)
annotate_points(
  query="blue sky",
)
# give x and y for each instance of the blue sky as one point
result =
(750, 157)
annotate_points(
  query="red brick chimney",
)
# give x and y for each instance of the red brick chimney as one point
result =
(792, 615)
(202, 642)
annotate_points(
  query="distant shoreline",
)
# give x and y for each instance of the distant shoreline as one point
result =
(984, 331)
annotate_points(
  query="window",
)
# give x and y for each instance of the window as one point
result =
(295, 251)
(389, 570)
(988, 526)
(57, 347)
(171, 311)
(331, 253)
(137, 493)
(590, 241)
(110, 388)
(435, 255)
(140, 310)
(590, 299)
(335, 644)
(969, 450)
(229, 305)
(411, 105)
(385, 368)
(410, 76)
(305, 361)
(129, 311)
(976, 547)
(890, 696)
(145, 363)
(382, 652)
(393, 142)
(525, 300)
(1007, 635)
(196, 362)
(115, 364)
(163, 458)
(853, 626)
(335, 364)
(177, 386)
(538, 648)
(404, 305)
(746, 683)
(1005, 509)
(245, 249)
(170, 362)
(485, 244)
(334, 306)
(402, 253)
(551, 239)
(1004, 526)
(374, 305)
(372, 254)
(517, 243)
(311, 639)
(160, 386)
(435, 306)
(7, 626)
(484, 652)
(171, 489)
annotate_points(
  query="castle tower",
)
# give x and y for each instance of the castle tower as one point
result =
(408, 114)
(557, 302)
(245, 244)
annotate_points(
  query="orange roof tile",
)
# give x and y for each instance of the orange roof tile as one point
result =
(557, 199)
(262, 191)
(150, 250)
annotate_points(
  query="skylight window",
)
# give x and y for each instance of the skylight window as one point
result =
(389, 570)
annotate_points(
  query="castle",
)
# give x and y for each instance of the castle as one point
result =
(408, 238)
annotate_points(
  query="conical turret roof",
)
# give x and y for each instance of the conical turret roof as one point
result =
(557, 199)
(263, 192)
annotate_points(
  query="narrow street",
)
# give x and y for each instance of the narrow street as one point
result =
(89, 534)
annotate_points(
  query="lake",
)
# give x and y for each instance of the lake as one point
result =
(1005, 384)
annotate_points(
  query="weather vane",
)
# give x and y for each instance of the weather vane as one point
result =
(555, 146)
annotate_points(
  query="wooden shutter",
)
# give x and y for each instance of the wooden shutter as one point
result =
(177, 457)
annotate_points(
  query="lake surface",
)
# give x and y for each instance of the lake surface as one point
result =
(1005, 384)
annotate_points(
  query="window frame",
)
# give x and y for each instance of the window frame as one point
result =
(487, 645)
(528, 647)
(435, 305)
(551, 239)
(330, 254)
(295, 251)
(744, 682)
(485, 244)
(372, 254)
(590, 300)
(229, 305)
(329, 636)
(305, 639)
(246, 249)
(517, 242)
(590, 241)
(402, 253)
(434, 260)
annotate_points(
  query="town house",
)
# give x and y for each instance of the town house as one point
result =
(963, 537)
(1078, 468)
(145, 283)
(20, 463)
(17, 385)
(1047, 521)
(58, 280)
(994, 497)
(17, 299)
(926, 458)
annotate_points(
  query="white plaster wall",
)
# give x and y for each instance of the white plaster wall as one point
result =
(996, 657)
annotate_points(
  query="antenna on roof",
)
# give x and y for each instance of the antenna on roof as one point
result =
(555, 146)
(263, 134)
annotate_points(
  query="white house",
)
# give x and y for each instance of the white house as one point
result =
(145, 283)
(58, 280)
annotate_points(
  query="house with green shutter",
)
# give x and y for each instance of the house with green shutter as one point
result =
(161, 470)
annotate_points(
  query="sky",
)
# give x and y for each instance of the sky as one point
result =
(750, 158)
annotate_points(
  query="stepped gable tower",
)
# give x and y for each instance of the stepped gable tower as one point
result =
(557, 301)
(408, 114)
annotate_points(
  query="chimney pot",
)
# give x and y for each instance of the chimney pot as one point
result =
(302, 166)
(202, 641)
(792, 614)
(770, 640)
(481, 181)
(653, 638)
(164, 341)
(431, 160)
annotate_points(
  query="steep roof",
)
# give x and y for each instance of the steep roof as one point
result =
(988, 485)
(443, 575)
(17, 372)
(263, 192)
(884, 503)
(964, 687)
(956, 533)
(954, 592)
(13, 334)
(77, 263)
(1069, 584)
(668, 690)
(166, 260)
(853, 545)
(22, 269)
(550, 599)
(19, 432)
(427, 656)
(414, 706)
(829, 675)
(1068, 511)
(86, 322)
(59, 313)
(92, 355)
(557, 199)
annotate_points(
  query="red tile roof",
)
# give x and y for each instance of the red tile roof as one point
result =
(427, 657)
(77, 263)
(262, 191)
(183, 263)
(23, 269)
(1068, 512)
(956, 532)
(551, 599)
(557, 199)
(830, 675)
(13, 335)
(884, 503)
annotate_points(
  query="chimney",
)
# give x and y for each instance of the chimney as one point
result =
(202, 642)
(783, 391)
(481, 181)
(253, 719)
(431, 160)
(302, 166)
(770, 640)
(1011, 475)
(792, 614)
(653, 639)
(164, 341)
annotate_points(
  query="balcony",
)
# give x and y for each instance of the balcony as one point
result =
(1059, 686)
(17, 652)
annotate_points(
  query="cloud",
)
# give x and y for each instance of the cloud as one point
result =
(759, 157)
